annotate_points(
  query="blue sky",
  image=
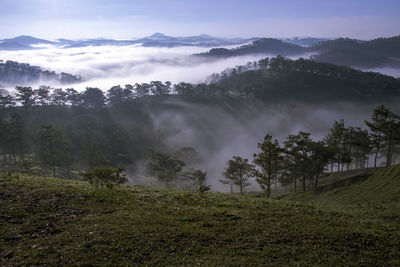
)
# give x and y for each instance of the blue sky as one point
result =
(364, 19)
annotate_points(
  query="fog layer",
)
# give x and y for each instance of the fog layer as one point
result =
(220, 131)
(106, 66)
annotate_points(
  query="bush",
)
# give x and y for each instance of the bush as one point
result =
(105, 176)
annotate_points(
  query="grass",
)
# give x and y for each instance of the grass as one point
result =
(377, 187)
(48, 221)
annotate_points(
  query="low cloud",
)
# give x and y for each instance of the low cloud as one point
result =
(106, 66)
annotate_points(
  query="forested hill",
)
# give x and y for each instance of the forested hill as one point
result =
(342, 51)
(378, 52)
(120, 126)
(282, 79)
(262, 46)
(12, 72)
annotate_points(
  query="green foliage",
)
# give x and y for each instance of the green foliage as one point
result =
(237, 173)
(384, 128)
(198, 178)
(268, 163)
(164, 167)
(105, 176)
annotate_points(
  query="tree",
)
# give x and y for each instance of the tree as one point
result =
(42, 95)
(320, 157)
(298, 152)
(6, 100)
(53, 149)
(382, 127)
(159, 88)
(268, 163)
(198, 178)
(263, 63)
(59, 97)
(73, 97)
(117, 95)
(25, 95)
(362, 147)
(93, 98)
(238, 171)
(183, 88)
(164, 167)
(141, 90)
(336, 139)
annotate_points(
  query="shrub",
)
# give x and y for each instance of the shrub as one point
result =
(105, 176)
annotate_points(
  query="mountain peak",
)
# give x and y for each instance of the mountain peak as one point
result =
(158, 35)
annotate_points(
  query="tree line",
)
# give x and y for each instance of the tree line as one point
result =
(300, 161)
(287, 78)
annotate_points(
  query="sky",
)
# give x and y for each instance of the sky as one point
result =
(51, 19)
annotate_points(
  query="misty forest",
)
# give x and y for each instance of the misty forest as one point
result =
(199, 150)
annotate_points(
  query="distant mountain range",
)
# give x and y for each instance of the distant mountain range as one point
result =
(156, 40)
(343, 51)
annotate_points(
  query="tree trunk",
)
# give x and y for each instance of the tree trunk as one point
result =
(388, 159)
(376, 156)
(304, 183)
(316, 180)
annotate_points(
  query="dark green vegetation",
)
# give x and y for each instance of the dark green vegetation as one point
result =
(282, 79)
(343, 51)
(370, 187)
(365, 54)
(60, 132)
(262, 46)
(303, 161)
(63, 222)
(12, 72)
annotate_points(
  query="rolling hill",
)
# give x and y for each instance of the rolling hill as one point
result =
(62, 222)
(380, 186)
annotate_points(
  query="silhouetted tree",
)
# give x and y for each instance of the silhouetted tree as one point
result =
(93, 98)
(238, 171)
(268, 163)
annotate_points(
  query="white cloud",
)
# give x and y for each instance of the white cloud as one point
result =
(106, 66)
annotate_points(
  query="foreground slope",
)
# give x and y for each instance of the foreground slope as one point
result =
(59, 222)
(381, 186)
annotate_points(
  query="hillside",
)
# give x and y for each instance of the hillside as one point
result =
(60, 222)
(309, 81)
(374, 53)
(262, 46)
(343, 51)
(15, 73)
(381, 186)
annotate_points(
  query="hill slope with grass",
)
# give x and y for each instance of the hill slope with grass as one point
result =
(64, 222)
(380, 186)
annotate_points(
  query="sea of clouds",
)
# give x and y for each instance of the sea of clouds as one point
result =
(106, 66)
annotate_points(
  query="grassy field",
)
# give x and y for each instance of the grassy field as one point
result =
(61, 222)
(363, 187)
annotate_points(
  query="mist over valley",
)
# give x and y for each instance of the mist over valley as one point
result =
(199, 133)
